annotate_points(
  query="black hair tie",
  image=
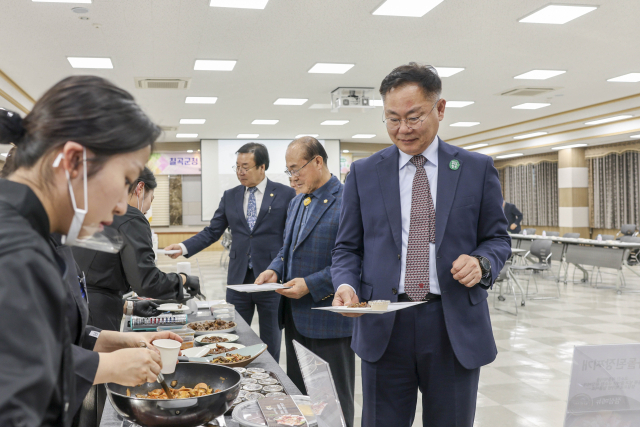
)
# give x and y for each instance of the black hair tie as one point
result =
(14, 126)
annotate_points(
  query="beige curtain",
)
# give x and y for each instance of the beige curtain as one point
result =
(615, 189)
(533, 188)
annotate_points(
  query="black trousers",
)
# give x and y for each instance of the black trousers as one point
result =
(335, 351)
(105, 310)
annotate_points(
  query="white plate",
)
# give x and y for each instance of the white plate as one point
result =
(174, 308)
(230, 337)
(195, 352)
(394, 306)
(164, 252)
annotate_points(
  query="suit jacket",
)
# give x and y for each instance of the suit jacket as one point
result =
(514, 216)
(469, 220)
(312, 261)
(263, 243)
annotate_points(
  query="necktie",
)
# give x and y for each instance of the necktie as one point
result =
(252, 213)
(422, 231)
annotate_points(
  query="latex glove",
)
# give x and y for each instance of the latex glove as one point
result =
(145, 308)
(192, 285)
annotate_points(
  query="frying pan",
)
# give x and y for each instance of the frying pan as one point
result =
(190, 412)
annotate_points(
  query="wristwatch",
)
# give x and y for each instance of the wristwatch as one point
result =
(485, 266)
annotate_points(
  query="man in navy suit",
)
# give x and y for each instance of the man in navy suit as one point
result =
(514, 216)
(420, 221)
(256, 212)
(304, 263)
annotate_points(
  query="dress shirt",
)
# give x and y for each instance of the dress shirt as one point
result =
(407, 171)
(259, 194)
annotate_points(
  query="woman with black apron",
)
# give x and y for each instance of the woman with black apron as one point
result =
(83, 144)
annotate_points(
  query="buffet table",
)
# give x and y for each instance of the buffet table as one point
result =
(110, 417)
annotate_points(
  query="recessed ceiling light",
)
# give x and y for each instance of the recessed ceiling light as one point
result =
(326, 68)
(320, 106)
(77, 62)
(471, 147)
(334, 122)
(506, 156)
(458, 104)
(344, 151)
(186, 135)
(4, 154)
(557, 14)
(635, 136)
(240, 4)
(201, 100)
(62, 1)
(189, 151)
(376, 102)
(539, 74)
(290, 101)
(464, 124)
(627, 78)
(364, 135)
(313, 135)
(448, 71)
(562, 147)
(529, 135)
(412, 8)
(264, 122)
(192, 121)
(214, 65)
(247, 135)
(609, 119)
(529, 106)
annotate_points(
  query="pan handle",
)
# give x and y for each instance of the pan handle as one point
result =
(177, 403)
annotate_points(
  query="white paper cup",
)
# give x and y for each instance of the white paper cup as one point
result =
(169, 350)
(184, 267)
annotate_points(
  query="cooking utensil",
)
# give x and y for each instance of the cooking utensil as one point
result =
(164, 385)
(191, 412)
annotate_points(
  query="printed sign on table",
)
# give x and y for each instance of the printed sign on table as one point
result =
(281, 411)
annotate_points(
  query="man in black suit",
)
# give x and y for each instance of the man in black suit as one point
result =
(256, 212)
(514, 217)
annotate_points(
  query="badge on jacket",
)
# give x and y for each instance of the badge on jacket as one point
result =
(454, 165)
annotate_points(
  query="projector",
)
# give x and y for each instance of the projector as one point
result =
(352, 97)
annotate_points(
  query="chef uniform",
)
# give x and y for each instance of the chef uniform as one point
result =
(36, 372)
(110, 276)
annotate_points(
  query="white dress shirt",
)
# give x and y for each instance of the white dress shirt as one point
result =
(259, 194)
(406, 172)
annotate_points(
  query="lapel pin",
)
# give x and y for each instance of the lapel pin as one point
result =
(271, 194)
(454, 165)
(307, 201)
(325, 200)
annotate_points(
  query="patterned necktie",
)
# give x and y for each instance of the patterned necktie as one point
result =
(422, 231)
(252, 208)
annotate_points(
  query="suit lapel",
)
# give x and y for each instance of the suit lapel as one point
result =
(390, 186)
(239, 206)
(447, 184)
(314, 216)
(267, 200)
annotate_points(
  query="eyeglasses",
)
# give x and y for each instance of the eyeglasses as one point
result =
(241, 169)
(412, 122)
(297, 172)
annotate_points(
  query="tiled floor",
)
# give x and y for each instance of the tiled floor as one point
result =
(527, 385)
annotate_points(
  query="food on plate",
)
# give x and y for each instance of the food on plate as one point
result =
(381, 305)
(359, 305)
(256, 370)
(219, 350)
(272, 388)
(230, 358)
(214, 340)
(211, 325)
(183, 392)
(291, 420)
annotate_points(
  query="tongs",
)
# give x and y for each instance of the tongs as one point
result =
(160, 378)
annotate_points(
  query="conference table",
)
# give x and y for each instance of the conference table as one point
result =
(597, 253)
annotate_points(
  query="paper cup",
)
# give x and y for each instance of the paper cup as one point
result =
(184, 267)
(169, 350)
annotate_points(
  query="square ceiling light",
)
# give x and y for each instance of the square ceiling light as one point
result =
(79, 62)
(186, 135)
(264, 122)
(334, 122)
(214, 65)
(192, 121)
(448, 71)
(530, 106)
(471, 147)
(458, 104)
(609, 119)
(290, 101)
(539, 74)
(326, 68)
(313, 135)
(240, 4)
(557, 14)
(464, 124)
(247, 135)
(529, 135)
(506, 156)
(201, 100)
(627, 78)
(364, 136)
(411, 8)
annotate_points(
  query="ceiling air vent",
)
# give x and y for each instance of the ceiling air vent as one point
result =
(157, 83)
(169, 128)
(528, 91)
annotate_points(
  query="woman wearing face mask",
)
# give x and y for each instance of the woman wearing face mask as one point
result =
(79, 149)
(109, 276)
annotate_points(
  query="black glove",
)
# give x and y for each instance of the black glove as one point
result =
(145, 309)
(192, 285)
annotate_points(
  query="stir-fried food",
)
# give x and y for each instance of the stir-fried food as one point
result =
(213, 340)
(220, 349)
(211, 325)
(183, 392)
(230, 358)
(359, 305)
